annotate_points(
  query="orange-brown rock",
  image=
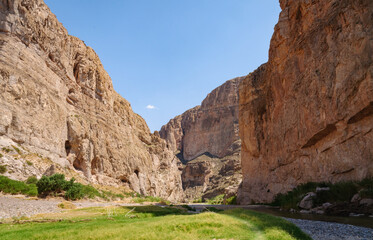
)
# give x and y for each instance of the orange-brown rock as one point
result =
(206, 139)
(307, 114)
(57, 99)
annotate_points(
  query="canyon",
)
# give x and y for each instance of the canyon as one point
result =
(206, 141)
(305, 115)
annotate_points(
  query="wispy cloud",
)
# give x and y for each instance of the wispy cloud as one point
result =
(151, 107)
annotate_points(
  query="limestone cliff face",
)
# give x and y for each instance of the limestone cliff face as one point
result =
(207, 139)
(307, 114)
(56, 98)
(210, 128)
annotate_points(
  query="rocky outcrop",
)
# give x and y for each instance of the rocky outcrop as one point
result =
(57, 99)
(307, 114)
(206, 139)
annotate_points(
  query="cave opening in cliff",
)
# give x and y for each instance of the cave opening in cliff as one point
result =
(137, 172)
(124, 179)
(67, 147)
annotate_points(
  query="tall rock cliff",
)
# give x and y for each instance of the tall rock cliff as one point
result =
(307, 114)
(57, 99)
(206, 139)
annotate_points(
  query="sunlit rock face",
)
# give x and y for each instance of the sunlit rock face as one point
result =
(307, 114)
(56, 98)
(206, 139)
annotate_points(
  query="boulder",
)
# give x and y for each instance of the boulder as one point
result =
(307, 201)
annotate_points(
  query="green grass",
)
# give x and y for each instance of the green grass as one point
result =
(17, 187)
(151, 222)
(339, 192)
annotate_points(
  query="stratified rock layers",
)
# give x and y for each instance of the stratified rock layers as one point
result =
(56, 97)
(206, 138)
(307, 114)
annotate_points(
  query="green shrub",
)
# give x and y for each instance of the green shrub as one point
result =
(17, 187)
(31, 180)
(29, 163)
(2, 169)
(198, 200)
(339, 192)
(216, 200)
(56, 184)
(232, 200)
(1, 155)
(74, 192)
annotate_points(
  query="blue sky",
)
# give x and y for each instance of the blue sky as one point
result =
(171, 53)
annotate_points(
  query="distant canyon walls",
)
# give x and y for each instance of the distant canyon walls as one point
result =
(206, 139)
(307, 114)
(56, 98)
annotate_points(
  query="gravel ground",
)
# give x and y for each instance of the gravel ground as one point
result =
(21, 206)
(332, 231)
(18, 206)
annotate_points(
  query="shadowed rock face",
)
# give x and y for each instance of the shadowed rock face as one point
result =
(56, 98)
(206, 139)
(307, 114)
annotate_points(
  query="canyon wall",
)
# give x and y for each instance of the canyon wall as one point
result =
(56, 99)
(206, 139)
(307, 114)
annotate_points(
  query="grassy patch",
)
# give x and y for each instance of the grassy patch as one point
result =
(142, 199)
(216, 200)
(17, 187)
(17, 149)
(7, 150)
(339, 192)
(151, 222)
(3, 169)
